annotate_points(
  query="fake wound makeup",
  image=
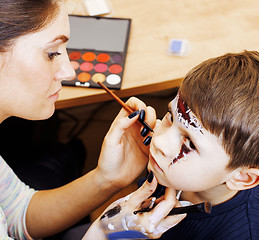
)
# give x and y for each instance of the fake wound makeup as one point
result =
(183, 152)
(187, 145)
(186, 148)
(185, 115)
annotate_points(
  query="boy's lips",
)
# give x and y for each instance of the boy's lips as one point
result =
(154, 163)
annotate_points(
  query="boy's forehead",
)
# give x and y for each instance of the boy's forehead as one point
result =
(184, 114)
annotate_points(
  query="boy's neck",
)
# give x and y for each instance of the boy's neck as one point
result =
(215, 195)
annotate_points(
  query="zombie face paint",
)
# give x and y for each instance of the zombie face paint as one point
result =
(185, 115)
(184, 151)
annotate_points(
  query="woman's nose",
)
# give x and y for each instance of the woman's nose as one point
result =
(66, 71)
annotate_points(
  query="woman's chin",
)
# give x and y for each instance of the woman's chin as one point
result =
(42, 115)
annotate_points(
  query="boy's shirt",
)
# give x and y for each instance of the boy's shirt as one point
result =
(237, 218)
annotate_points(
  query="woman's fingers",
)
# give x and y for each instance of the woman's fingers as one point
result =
(119, 127)
(121, 124)
(149, 116)
(163, 208)
(164, 225)
(144, 192)
(121, 216)
(159, 221)
(133, 103)
(124, 119)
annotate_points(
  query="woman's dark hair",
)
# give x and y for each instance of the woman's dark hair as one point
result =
(20, 17)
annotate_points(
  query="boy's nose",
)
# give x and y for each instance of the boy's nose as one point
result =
(166, 140)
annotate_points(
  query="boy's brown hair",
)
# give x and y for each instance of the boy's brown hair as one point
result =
(223, 93)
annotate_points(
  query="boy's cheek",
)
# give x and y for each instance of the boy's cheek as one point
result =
(157, 125)
(148, 166)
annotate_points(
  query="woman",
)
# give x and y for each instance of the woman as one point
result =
(33, 62)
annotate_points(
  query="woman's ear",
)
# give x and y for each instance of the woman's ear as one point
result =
(243, 178)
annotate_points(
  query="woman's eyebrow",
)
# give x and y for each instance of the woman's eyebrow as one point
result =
(63, 38)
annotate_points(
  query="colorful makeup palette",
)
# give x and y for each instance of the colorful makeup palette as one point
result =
(97, 50)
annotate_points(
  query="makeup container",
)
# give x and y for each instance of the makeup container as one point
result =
(179, 47)
(97, 50)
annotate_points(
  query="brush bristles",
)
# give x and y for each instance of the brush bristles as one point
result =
(207, 207)
(201, 207)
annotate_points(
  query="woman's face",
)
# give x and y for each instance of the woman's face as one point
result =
(32, 71)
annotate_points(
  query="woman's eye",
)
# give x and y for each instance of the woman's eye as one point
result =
(53, 54)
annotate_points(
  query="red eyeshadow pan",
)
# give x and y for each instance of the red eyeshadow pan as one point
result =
(115, 68)
(75, 55)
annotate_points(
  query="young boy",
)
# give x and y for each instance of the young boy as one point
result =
(207, 147)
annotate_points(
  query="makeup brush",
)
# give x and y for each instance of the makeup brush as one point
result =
(201, 207)
(123, 105)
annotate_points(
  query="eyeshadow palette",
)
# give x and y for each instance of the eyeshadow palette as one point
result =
(97, 50)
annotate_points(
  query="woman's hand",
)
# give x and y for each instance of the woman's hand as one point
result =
(121, 219)
(124, 156)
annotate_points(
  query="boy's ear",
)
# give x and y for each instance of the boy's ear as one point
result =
(243, 178)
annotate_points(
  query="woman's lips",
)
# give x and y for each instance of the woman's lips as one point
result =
(55, 95)
(154, 163)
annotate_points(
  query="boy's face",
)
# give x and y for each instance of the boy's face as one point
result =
(184, 155)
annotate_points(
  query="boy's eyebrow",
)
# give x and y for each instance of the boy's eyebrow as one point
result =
(187, 132)
(186, 116)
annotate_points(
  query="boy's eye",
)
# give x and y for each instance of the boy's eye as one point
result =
(190, 144)
(171, 116)
(53, 54)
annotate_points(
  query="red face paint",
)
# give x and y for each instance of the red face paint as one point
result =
(184, 110)
(184, 115)
(184, 150)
